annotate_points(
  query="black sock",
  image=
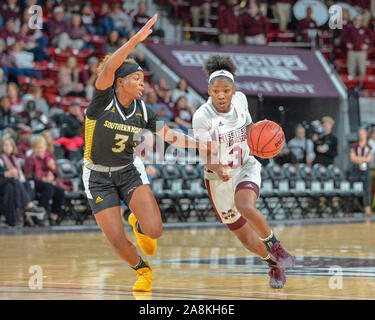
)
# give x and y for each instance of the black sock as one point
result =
(270, 241)
(138, 227)
(141, 264)
(269, 260)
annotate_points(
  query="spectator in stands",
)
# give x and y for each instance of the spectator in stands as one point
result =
(41, 166)
(138, 55)
(35, 93)
(140, 18)
(88, 16)
(325, 145)
(283, 11)
(32, 117)
(182, 90)
(9, 34)
(197, 7)
(360, 155)
(69, 84)
(71, 138)
(164, 94)
(47, 135)
(9, 66)
(57, 28)
(182, 114)
(262, 5)
(363, 7)
(34, 35)
(24, 142)
(161, 109)
(113, 42)
(123, 23)
(301, 148)
(339, 34)
(104, 21)
(254, 26)
(78, 36)
(12, 165)
(7, 118)
(16, 104)
(32, 46)
(3, 83)
(229, 23)
(88, 76)
(10, 10)
(358, 39)
(307, 28)
(24, 59)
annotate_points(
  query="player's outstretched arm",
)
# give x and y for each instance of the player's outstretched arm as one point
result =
(106, 77)
(181, 140)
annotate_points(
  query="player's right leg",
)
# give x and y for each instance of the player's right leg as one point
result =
(250, 239)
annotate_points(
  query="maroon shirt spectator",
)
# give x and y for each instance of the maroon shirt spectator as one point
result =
(38, 167)
(23, 144)
(8, 33)
(306, 24)
(10, 10)
(140, 19)
(358, 36)
(252, 26)
(76, 30)
(228, 21)
(57, 25)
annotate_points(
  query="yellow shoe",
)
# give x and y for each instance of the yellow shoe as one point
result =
(144, 279)
(147, 244)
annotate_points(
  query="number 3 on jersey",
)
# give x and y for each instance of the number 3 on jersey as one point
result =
(122, 143)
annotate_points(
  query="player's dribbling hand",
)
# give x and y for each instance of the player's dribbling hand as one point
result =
(224, 173)
(146, 29)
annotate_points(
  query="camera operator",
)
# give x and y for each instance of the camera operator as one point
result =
(325, 143)
(302, 149)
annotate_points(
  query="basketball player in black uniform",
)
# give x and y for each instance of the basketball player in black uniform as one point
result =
(111, 172)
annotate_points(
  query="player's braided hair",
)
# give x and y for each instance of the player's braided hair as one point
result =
(219, 62)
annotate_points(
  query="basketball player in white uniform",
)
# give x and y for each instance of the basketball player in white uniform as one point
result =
(232, 175)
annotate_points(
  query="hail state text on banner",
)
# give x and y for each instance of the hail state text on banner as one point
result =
(277, 72)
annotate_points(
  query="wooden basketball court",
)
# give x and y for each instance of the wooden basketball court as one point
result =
(192, 263)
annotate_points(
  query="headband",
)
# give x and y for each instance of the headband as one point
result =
(127, 68)
(221, 73)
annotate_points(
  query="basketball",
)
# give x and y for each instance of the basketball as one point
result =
(266, 139)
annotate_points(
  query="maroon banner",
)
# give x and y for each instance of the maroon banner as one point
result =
(276, 72)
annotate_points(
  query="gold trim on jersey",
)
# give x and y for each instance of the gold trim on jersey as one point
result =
(89, 134)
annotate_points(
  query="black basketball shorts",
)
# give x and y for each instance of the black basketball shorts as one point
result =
(105, 189)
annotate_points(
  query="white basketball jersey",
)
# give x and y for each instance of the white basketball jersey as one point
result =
(228, 129)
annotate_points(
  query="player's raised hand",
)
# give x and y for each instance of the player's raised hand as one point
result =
(146, 30)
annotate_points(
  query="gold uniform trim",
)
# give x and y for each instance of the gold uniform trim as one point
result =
(89, 134)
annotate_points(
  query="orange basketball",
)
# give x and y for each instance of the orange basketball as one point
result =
(266, 139)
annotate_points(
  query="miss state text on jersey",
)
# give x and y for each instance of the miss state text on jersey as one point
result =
(110, 128)
(229, 129)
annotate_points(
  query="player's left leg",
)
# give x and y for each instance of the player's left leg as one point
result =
(245, 197)
(251, 241)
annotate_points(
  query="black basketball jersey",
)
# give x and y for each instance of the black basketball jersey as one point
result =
(110, 128)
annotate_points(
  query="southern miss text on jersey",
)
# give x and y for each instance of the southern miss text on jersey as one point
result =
(110, 128)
